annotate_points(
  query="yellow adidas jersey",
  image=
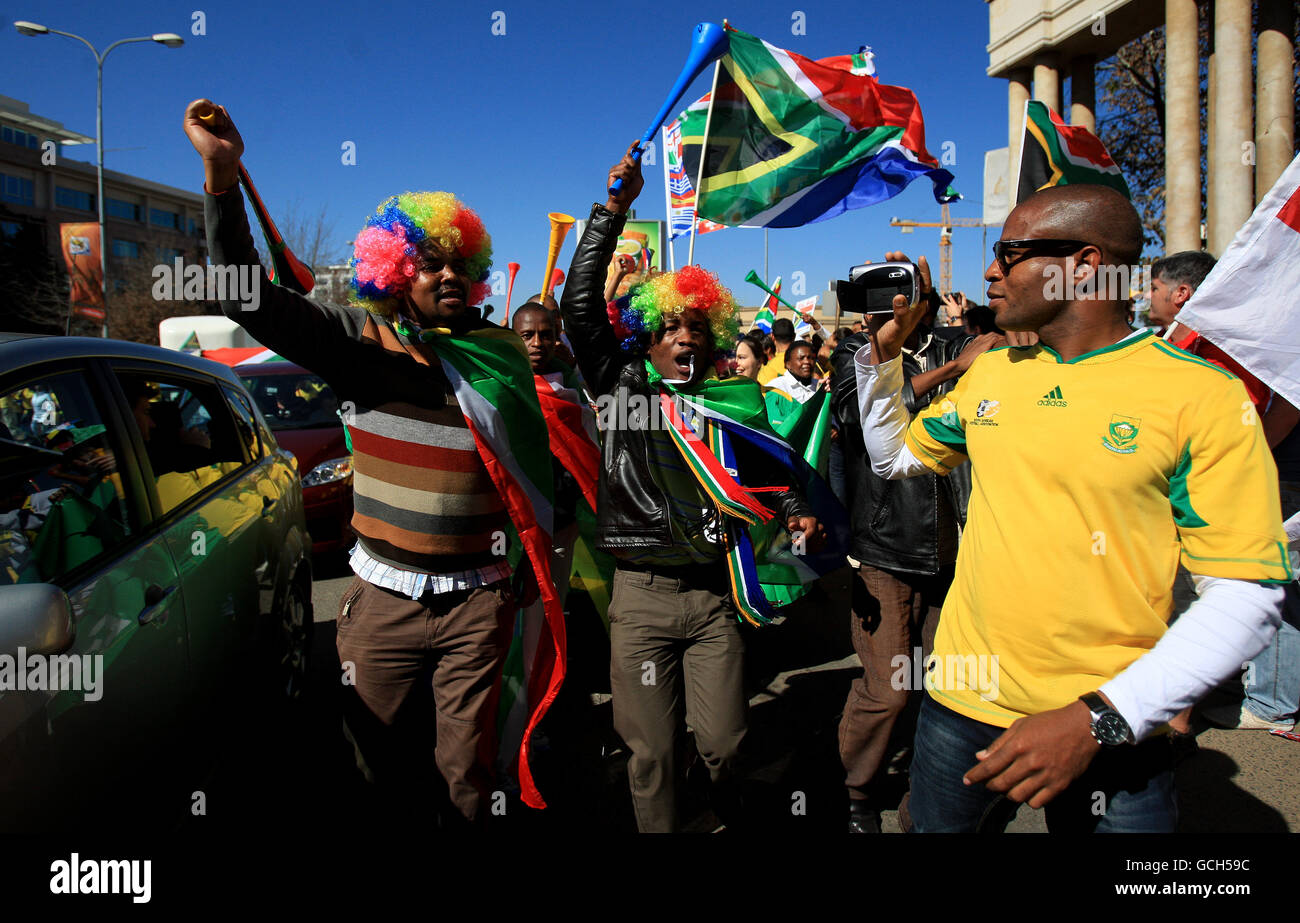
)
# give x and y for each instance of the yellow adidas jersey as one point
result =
(1090, 479)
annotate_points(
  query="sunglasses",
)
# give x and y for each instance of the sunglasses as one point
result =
(1010, 252)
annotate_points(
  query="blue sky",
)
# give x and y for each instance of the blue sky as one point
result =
(517, 125)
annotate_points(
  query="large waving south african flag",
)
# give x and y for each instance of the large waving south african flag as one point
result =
(793, 141)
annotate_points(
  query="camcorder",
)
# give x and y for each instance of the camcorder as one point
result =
(871, 287)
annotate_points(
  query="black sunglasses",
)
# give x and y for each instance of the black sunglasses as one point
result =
(1033, 246)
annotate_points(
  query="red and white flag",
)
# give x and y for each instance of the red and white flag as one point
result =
(1249, 304)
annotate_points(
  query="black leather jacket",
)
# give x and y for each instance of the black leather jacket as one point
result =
(632, 509)
(908, 525)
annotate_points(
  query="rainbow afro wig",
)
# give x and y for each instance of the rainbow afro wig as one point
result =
(672, 293)
(387, 253)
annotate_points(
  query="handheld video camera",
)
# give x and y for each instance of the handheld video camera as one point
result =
(871, 287)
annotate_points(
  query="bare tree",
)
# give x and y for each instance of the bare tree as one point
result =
(310, 235)
(33, 287)
(1132, 123)
(134, 310)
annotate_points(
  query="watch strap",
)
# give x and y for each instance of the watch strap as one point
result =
(1097, 707)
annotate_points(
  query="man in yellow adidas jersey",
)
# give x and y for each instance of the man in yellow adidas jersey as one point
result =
(1100, 456)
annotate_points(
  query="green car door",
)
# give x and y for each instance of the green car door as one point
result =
(73, 515)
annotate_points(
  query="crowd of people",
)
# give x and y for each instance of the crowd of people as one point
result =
(1023, 493)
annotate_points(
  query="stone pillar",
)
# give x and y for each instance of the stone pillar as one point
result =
(1083, 91)
(1274, 94)
(1017, 96)
(1182, 129)
(1047, 81)
(1233, 180)
(1211, 85)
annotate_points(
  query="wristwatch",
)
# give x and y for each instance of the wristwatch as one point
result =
(1108, 726)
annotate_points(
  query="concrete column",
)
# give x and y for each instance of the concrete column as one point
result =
(1083, 91)
(1182, 129)
(1233, 180)
(1211, 87)
(1017, 96)
(1047, 81)
(1274, 93)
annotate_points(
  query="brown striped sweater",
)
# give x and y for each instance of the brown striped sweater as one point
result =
(423, 500)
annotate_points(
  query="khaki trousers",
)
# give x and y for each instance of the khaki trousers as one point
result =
(676, 653)
(424, 681)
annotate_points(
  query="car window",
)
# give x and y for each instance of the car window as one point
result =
(244, 422)
(190, 437)
(63, 500)
(294, 400)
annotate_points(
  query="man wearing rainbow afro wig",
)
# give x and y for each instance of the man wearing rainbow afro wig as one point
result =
(678, 487)
(450, 456)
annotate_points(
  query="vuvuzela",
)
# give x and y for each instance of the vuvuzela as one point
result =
(560, 224)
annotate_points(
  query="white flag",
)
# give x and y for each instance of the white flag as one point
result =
(1249, 304)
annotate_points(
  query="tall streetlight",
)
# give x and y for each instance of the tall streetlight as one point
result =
(171, 40)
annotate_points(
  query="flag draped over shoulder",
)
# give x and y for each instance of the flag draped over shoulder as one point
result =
(571, 427)
(1247, 304)
(493, 382)
(732, 411)
(1056, 154)
(793, 141)
(576, 445)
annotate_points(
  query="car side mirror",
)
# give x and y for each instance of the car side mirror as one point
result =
(35, 616)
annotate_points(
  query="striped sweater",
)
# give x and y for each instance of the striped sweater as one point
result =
(423, 500)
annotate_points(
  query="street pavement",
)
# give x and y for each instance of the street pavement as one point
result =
(799, 674)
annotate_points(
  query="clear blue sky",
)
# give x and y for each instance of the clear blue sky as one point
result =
(517, 125)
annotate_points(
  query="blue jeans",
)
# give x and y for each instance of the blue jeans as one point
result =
(1273, 691)
(1124, 790)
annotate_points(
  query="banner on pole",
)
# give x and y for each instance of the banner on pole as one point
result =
(80, 245)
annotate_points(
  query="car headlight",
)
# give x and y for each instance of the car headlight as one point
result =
(336, 469)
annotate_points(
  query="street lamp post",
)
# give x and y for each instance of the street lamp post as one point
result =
(171, 40)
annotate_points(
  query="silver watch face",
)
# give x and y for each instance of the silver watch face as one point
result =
(1110, 729)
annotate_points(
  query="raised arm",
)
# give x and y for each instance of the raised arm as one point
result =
(595, 344)
(323, 338)
(878, 369)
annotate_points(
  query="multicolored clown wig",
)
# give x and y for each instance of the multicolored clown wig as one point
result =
(388, 249)
(670, 294)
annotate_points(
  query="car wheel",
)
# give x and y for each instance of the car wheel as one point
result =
(293, 643)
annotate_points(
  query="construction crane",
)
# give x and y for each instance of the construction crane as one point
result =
(945, 225)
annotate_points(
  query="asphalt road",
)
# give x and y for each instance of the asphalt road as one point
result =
(799, 675)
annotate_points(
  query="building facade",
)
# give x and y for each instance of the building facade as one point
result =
(145, 223)
(1037, 45)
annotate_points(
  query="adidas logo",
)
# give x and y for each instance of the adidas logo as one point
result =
(1053, 398)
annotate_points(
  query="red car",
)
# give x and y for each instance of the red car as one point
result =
(303, 413)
